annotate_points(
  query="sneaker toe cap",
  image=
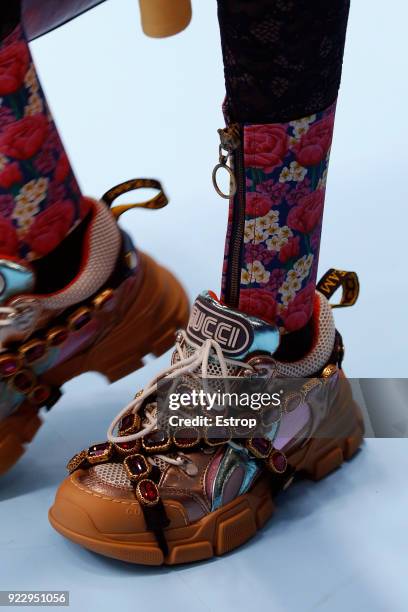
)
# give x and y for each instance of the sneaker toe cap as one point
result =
(94, 518)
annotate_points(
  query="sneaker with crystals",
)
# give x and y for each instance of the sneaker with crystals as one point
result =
(148, 497)
(94, 303)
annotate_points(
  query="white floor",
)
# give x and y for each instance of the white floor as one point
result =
(337, 545)
(129, 106)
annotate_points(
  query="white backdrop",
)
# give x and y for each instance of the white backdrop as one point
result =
(132, 106)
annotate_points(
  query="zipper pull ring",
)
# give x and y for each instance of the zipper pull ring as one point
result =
(228, 144)
(223, 164)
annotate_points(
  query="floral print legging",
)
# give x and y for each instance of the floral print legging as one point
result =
(40, 201)
(286, 169)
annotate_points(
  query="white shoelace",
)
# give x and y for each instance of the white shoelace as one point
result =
(200, 358)
(9, 313)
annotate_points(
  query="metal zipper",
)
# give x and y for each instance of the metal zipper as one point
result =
(231, 141)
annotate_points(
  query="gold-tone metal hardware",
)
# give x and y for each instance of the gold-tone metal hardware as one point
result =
(74, 320)
(329, 370)
(103, 298)
(132, 447)
(223, 164)
(76, 461)
(57, 336)
(104, 455)
(142, 498)
(28, 350)
(128, 469)
(12, 360)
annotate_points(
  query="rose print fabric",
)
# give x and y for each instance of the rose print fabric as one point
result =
(40, 201)
(285, 168)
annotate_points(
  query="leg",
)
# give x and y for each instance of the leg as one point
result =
(40, 201)
(187, 500)
(282, 68)
(75, 294)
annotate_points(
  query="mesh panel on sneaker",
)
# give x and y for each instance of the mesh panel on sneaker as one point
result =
(104, 241)
(214, 368)
(161, 464)
(320, 354)
(112, 474)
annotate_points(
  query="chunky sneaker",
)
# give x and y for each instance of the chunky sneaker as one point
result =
(95, 303)
(149, 498)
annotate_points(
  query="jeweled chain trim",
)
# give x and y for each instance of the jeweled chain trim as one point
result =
(16, 367)
(145, 477)
(138, 468)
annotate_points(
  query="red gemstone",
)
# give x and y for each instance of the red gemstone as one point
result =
(127, 446)
(81, 320)
(148, 491)
(127, 422)
(279, 462)
(98, 450)
(186, 436)
(40, 394)
(137, 465)
(59, 338)
(261, 445)
(35, 352)
(157, 438)
(217, 435)
(8, 366)
(23, 381)
(105, 299)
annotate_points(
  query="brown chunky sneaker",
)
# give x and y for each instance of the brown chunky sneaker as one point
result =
(94, 304)
(152, 498)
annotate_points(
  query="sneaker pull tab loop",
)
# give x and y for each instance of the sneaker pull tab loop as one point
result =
(160, 200)
(333, 279)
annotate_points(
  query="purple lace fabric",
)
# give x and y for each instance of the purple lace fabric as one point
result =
(282, 58)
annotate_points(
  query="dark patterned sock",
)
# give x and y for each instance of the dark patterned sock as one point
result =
(282, 58)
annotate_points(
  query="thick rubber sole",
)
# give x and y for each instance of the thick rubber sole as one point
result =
(232, 525)
(157, 310)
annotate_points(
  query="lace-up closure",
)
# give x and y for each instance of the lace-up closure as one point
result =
(199, 362)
